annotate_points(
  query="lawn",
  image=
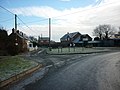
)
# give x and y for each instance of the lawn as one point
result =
(70, 50)
(12, 65)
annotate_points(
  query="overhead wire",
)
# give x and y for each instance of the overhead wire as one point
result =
(60, 15)
(56, 16)
(17, 17)
(65, 14)
(7, 10)
(22, 28)
(26, 25)
(74, 12)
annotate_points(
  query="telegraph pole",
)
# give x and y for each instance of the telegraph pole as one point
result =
(49, 31)
(15, 23)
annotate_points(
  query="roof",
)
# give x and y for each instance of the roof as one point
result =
(44, 38)
(65, 36)
(117, 34)
(84, 35)
(24, 36)
(71, 35)
(20, 34)
(76, 40)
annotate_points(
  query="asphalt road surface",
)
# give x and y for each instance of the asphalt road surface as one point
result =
(92, 72)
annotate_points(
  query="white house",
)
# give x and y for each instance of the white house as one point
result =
(30, 46)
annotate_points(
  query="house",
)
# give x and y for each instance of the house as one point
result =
(30, 46)
(85, 40)
(75, 38)
(117, 39)
(43, 41)
(32, 43)
(3, 39)
(3, 42)
(20, 42)
(117, 35)
(17, 42)
(111, 42)
(70, 38)
(85, 37)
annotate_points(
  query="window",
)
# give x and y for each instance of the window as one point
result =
(30, 45)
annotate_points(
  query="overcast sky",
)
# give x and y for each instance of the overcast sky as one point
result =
(67, 15)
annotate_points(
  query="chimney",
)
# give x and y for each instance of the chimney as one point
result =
(22, 34)
(18, 31)
(13, 30)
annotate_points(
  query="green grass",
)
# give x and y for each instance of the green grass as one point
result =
(10, 66)
(74, 50)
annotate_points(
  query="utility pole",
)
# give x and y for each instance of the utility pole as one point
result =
(15, 23)
(49, 31)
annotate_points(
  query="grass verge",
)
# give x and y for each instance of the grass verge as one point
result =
(73, 50)
(10, 66)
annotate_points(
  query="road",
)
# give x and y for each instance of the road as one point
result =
(91, 72)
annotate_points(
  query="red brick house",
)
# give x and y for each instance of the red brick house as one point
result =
(43, 41)
(3, 42)
(17, 42)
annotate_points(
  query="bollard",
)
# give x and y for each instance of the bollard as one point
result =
(68, 49)
(58, 49)
(61, 49)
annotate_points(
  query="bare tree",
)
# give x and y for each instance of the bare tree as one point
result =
(104, 31)
(98, 31)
